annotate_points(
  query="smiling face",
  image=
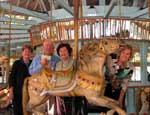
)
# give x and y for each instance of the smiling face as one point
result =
(26, 54)
(64, 54)
(48, 47)
(125, 55)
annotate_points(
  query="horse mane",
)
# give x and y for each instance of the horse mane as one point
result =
(89, 50)
(87, 57)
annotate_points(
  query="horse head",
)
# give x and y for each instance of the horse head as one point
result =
(92, 55)
(108, 46)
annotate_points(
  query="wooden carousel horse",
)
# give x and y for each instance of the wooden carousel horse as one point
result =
(4, 101)
(3, 59)
(4, 69)
(87, 80)
(143, 101)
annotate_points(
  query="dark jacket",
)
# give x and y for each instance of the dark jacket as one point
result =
(16, 79)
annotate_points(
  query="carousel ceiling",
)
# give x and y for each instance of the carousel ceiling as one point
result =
(17, 16)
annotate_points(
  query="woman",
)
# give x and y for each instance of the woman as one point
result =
(64, 50)
(118, 72)
(18, 74)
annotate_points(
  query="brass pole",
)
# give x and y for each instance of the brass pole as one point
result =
(149, 8)
(81, 20)
(76, 18)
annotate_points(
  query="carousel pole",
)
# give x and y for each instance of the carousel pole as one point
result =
(51, 19)
(119, 6)
(76, 35)
(81, 20)
(9, 44)
(149, 8)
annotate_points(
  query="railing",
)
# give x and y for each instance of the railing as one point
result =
(91, 29)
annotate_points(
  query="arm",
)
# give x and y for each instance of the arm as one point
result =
(11, 81)
(125, 82)
(123, 91)
(11, 94)
(38, 63)
(54, 61)
(121, 97)
(35, 66)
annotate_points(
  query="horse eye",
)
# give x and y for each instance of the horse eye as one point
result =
(101, 48)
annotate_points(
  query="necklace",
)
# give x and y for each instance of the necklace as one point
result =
(65, 64)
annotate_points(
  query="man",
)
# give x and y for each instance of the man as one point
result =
(43, 60)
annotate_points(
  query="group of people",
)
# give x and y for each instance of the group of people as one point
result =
(118, 70)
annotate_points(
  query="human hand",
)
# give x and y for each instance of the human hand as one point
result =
(44, 62)
(11, 94)
(115, 83)
(120, 103)
(121, 97)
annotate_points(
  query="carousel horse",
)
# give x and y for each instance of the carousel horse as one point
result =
(143, 101)
(87, 79)
(3, 59)
(4, 101)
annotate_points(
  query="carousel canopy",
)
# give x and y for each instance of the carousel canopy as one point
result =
(18, 16)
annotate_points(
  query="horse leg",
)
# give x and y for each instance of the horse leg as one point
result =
(37, 108)
(143, 108)
(36, 112)
(105, 102)
(102, 113)
(144, 103)
(111, 112)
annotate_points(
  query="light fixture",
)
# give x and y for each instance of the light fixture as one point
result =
(91, 11)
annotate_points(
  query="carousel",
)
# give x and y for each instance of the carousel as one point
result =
(94, 29)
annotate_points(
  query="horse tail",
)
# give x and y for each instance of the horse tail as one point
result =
(25, 96)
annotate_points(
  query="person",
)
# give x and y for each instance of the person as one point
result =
(72, 105)
(118, 72)
(16, 79)
(64, 50)
(46, 59)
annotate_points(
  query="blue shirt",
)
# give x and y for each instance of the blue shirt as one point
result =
(36, 66)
